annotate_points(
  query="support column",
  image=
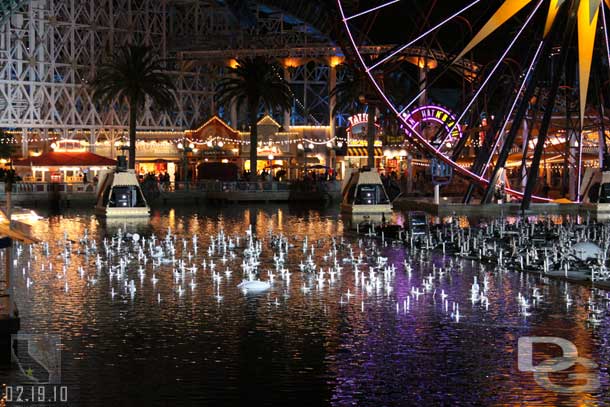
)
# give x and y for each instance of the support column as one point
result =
(234, 114)
(332, 99)
(45, 144)
(573, 174)
(92, 140)
(524, 135)
(332, 155)
(332, 102)
(602, 144)
(370, 131)
(287, 113)
(24, 143)
(423, 83)
(409, 173)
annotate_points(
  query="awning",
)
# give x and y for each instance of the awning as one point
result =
(361, 152)
(310, 160)
(66, 159)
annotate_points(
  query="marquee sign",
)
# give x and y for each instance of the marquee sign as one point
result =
(357, 127)
(430, 119)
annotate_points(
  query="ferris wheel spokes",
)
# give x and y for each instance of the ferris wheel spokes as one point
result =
(417, 138)
(488, 78)
(606, 34)
(512, 108)
(410, 43)
(365, 12)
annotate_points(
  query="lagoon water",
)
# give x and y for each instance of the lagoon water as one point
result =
(335, 345)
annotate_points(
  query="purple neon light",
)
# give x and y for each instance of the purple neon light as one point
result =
(606, 32)
(372, 9)
(434, 118)
(424, 142)
(579, 166)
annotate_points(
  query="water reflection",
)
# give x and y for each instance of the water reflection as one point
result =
(288, 345)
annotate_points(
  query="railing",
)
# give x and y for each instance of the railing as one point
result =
(195, 186)
(256, 186)
(48, 187)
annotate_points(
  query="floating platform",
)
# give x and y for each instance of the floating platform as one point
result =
(364, 194)
(120, 196)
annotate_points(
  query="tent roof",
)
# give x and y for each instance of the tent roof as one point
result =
(66, 159)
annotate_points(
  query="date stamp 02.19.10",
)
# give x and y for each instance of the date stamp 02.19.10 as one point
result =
(37, 379)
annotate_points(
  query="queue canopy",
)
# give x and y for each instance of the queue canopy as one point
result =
(66, 159)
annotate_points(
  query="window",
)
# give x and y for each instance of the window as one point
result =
(604, 193)
(126, 197)
(594, 193)
(370, 194)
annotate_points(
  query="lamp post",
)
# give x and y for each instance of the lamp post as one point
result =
(332, 152)
(121, 158)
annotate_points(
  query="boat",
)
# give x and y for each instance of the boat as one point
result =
(253, 286)
(364, 195)
(120, 194)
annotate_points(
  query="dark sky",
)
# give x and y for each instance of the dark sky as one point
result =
(406, 19)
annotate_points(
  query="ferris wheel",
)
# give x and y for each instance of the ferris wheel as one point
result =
(576, 32)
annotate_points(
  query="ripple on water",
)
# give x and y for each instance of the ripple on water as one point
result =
(284, 345)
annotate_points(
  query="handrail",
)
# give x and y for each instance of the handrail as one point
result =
(194, 186)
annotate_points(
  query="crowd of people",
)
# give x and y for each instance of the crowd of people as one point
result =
(162, 180)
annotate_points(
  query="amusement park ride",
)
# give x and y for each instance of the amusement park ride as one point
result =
(49, 49)
(536, 96)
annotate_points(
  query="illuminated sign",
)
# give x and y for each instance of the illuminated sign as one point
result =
(357, 127)
(363, 143)
(358, 119)
(430, 119)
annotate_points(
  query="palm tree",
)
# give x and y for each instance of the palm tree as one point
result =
(134, 74)
(255, 82)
